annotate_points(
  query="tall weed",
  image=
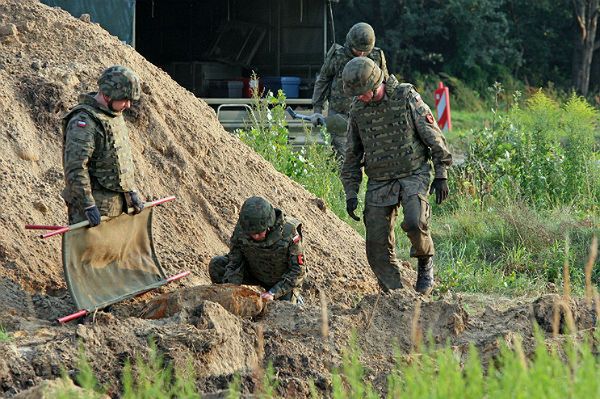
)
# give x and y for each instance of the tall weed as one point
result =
(544, 154)
(313, 166)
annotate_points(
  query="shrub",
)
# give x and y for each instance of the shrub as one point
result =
(313, 166)
(544, 154)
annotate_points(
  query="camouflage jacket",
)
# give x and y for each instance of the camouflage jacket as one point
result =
(277, 262)
(398, 137)
(328, 85)
(95, 146)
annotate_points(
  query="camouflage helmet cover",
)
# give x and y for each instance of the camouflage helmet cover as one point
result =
(361, 37)
(361, 75)
(120, 83)
(256, 215)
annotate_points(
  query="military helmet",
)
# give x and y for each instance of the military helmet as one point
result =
(361, 37)
(361, 75)
(120, 83)
(256, 215)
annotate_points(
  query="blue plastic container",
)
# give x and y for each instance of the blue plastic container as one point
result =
(290, 86)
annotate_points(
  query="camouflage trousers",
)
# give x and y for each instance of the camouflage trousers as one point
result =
(110, 203)
(338, 137)
(380, 222)
(216, 271)
(338, 143)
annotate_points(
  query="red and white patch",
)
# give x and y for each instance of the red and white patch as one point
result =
(297, 239)
(81, 124)
(429, 118)
(300, 259)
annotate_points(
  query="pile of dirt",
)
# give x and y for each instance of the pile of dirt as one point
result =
(47, 58)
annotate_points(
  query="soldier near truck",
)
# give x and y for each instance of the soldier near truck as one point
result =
(97, 161)
(266, 250)
(394, 137)
(360, 42)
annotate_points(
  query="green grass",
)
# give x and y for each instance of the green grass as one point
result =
(553, 371)
(147, 377)
(4, 335)
(565, 368)
(510, 248)
(464, 121)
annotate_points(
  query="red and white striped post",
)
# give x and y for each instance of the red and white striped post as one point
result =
(442, 106)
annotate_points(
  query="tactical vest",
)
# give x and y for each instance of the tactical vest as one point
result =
(111, 163)
(392, 147)
(268, 260)
(338, 100)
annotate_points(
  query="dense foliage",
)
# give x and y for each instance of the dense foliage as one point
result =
(545, 154)
(478, 41)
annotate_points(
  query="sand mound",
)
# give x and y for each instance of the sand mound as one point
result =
(46, 59)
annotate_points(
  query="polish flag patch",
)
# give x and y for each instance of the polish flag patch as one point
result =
(297, 239)
(81, 124)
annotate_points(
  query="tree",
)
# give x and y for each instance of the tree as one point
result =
(543, 32)
(586, 14)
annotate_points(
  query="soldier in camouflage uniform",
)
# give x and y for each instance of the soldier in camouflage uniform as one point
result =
(97, 160)
(360, 42)
(393, 135)
(265, 250)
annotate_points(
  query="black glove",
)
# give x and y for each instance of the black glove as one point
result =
(93, 215)
(351, 205)
(317, 119)
(136, 203)
(440, 186)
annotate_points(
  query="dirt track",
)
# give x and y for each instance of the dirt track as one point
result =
(47, 58)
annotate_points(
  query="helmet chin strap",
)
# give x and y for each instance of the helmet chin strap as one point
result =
(109, 102)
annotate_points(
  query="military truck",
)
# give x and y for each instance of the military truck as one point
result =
(212, 47)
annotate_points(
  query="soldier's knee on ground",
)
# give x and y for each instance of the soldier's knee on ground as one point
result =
(216, 268)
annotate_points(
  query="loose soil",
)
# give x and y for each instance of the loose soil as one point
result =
(48, 57)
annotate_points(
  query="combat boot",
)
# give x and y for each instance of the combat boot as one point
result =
(425, 275)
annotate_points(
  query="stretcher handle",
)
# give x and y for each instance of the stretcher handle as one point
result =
(63, 230)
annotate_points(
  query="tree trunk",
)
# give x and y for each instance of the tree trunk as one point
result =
(586, 13)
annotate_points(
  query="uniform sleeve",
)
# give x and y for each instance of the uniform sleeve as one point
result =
(234, 271)
(383, 66)
(431, 134)
(323, 82)
(297, 269)
(351, 174)
(80, 136)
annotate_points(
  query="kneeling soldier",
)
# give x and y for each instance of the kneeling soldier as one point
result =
(265, 250)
